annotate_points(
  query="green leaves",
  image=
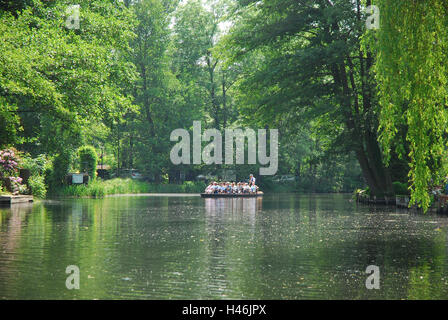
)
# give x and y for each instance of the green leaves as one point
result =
(67, 77)
(411, 70)
(88, 160)
(301, 71)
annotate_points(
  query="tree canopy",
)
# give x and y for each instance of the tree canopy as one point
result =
(353, 106)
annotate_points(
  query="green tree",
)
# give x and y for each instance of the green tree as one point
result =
(145, 133)
(411, 71)
(59, 81)
(307, 63)
(61, 76)
(205, 78)
(88, 160)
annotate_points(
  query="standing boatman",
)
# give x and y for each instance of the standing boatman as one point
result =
(251, 180)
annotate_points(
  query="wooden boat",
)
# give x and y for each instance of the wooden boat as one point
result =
(232, 195)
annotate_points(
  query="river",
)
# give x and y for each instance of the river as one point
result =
(283, 246)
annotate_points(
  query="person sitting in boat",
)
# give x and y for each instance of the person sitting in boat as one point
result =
(234, 188)
(223, 187)
(209, 188)
(253, 188)
(215, 188)
(240, 187)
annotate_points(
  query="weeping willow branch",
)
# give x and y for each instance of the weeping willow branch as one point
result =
(411, 72)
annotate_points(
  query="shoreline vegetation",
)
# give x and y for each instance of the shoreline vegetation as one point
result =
(100, 188)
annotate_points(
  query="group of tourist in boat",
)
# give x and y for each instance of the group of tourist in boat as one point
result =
(233, 187)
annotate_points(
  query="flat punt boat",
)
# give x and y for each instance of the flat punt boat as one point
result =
(232, 195)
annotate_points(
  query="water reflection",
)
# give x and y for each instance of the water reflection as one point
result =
(280, 246)
(220, 208)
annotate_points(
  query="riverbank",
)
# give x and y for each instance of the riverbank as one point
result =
(120, 186)
(100, 188)
(153, 195)
(438, 205)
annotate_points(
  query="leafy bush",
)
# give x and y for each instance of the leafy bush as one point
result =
(400, 188)
(193, 186)
(37, 186)
(37, 166)
(88, 161)
(367, 191)
(40, 169)
(60, 169)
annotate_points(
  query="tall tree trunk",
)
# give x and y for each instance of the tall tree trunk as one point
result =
(131, 152)
(366, 147)
(224, 99)
(215, 107)
(376, 174)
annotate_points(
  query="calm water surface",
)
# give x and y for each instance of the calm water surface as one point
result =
(179, 247)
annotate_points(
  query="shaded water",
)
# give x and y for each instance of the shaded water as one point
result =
(280, 247)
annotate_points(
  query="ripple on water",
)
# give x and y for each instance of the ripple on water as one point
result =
(283, 247)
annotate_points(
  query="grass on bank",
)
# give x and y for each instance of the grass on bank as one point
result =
(100, 188)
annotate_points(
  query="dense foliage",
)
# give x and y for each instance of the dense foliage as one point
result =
(133, 71)
(411, 70)
(88, 160)
(304, 64)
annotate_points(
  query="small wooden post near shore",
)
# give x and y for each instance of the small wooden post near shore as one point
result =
(9, 200)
